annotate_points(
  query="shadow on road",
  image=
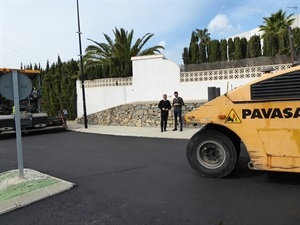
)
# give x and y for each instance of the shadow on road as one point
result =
(242, 171)
(10, 135)
(283, 178)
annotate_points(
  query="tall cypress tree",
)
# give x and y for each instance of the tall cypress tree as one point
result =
(194, 53)
(185, 56)
(59, 88)
(68, 88)
(283, 42)
(202, 53)
(296, 36)
(230, 49)
(270, 47)
(223, 47)
(237, 48)
(214, 52)
(194, 50)
(254, 46)
(244, 46)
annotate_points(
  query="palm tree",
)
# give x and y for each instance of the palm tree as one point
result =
(117, 54)
(203, 35)
(276, 23)
(274, 31)
(204, 39)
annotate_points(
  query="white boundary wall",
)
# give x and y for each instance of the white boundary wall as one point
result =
(154, 76)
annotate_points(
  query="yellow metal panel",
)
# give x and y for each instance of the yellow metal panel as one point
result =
(243, 93)
(25, 71)
(281, 142)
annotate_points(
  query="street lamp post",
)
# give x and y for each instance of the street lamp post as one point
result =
(81, 69)
(296, 9)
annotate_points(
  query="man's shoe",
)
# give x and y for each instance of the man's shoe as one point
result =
(180, 130)
(165, 130)
(174, 129)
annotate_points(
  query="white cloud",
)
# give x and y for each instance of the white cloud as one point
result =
(220, 24)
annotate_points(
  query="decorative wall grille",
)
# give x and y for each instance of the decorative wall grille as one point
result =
(108, 82)
(228, 74)
(195, 76)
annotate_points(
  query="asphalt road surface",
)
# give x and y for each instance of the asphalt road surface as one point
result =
(139, 181)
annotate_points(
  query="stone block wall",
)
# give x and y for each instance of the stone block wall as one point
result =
(146, 114)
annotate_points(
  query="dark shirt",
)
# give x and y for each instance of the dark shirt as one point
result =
(180, 103)
(164, 104)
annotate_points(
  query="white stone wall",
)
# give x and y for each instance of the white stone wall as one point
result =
(146, 114)
(154, 76)
(100, 98)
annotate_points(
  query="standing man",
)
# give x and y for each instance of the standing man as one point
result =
(164, 106)
(177, 104)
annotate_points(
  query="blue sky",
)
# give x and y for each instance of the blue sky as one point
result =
(34, 31)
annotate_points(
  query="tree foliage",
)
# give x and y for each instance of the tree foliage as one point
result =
(185, 56)
(204, 39)
(237, 48)
(275, 42)
(193, 49)
(275, 33)
(276, 23)
(202, 53)
(223, 48)
(231, 49)
(244, 47)
(198, 48)
(254, 47)
(115, 55)
(214, 51)
(59, 88)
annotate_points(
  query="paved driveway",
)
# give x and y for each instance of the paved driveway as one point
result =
(130, 180)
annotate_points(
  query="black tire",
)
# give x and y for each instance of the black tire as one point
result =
(211, 153)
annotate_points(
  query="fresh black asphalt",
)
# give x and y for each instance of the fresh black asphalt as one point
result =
(138, 181)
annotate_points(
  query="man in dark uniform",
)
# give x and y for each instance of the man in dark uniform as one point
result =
(177, 104)
(164, 106)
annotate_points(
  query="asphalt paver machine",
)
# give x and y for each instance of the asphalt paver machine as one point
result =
(31, 116)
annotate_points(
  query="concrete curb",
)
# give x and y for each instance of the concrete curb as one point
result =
(36, 195)
(152, 132)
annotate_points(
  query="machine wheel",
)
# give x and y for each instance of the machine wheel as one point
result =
(211, 153)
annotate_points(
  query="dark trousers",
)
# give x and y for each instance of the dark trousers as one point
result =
(163, 120)
(178, 113)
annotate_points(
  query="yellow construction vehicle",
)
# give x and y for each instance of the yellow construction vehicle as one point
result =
(263, 115)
